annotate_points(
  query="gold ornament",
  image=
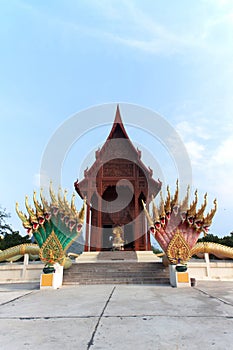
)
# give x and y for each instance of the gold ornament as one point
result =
(178, 250)
(51, 250)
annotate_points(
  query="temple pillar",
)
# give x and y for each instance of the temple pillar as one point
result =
(87, 248)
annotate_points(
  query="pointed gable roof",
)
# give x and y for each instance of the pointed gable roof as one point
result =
(118, 129)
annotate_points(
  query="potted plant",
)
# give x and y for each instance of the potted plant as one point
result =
(48, 268)
(180, 267)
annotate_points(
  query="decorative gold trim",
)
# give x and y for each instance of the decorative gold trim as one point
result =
(51, 250)
(178, 250)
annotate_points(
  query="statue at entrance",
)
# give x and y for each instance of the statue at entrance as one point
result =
(118, 242)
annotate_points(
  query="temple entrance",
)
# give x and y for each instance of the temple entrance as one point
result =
(118, 210)
(107, 237)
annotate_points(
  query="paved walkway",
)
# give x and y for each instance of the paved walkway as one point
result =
(117, 317)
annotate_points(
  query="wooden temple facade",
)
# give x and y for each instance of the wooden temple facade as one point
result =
(114, 187)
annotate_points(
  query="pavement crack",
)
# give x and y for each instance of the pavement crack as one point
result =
(213, 297)
(29, 318)
(141, 316)
(17, 298)
(91, 341)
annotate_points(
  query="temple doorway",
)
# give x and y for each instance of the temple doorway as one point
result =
(107, 237)
(129, 237)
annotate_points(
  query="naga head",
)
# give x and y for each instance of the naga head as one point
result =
(162, 213)
(45, 206)
(39, 210)
(54, 201)
(76, 219)
(207, 221)
(184, 206)
(149, 218)
(198, 220)
(167, 205)
(192, 211)
(174, 202)
(32, 216)
(156, 217)
(25, 220)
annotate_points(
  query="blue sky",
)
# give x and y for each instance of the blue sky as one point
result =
(61, 57)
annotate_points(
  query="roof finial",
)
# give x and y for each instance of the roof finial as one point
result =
(118, 129)
(118, 119)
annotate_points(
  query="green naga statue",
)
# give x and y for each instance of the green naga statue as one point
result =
(54, 225)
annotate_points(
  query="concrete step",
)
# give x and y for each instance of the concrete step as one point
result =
(159, 281)
(117, 273)
(114, 256)
(117, 255)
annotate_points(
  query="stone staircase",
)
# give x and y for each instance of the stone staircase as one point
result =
(116, 268)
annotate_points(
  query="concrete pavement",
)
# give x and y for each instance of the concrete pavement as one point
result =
(117, 317)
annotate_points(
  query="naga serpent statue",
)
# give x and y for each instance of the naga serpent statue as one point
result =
(177, 226)
(54, 226)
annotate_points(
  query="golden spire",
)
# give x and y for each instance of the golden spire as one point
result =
(25, 221)
(53, 196)
(200, 212)
(210, 215)
(174, 202)
(155, 212)
(167, 205)
(45, 204)
(66, 203)
(192, 210)
(32, 215)
(81, 214)
(60, 199)
(162, 213)
(184, 205)
(39, 209)
(72, 205)
(149, 219)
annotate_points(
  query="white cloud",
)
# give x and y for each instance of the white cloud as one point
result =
(224, 154)
(195, 151)
(136, 26)
(41, 180)
(186, 129)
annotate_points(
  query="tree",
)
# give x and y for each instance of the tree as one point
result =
(4, 227)
(13, 239)
(226, 240)
(9, 237)
(210, 238)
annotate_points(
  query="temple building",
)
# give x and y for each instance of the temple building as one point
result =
(114, 187)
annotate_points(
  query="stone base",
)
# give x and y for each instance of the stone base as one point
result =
(178, 279)
(52, 280)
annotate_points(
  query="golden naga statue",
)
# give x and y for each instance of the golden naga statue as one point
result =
(177, 225)
(54, 225)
